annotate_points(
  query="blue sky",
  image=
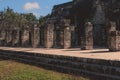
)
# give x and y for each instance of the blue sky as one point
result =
(37, 7)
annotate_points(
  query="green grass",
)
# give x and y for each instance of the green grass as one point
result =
(11, 70)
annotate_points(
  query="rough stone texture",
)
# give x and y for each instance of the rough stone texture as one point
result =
(35, 36)
(25, 38)
(75, 13)
(66, 33)
(2, 38)
(87, 39)
(111, 26)
(49, 32)
(67, 37)
(98, 68)
(61, 38)
(113, 37)
(9, 38)
(15, 38)
(114, 44)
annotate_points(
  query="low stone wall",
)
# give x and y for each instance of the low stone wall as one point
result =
(99, 69)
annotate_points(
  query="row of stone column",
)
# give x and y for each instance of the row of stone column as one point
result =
(20, 38)
(28, 38)
(86, 40)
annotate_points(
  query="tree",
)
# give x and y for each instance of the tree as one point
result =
(41, 21)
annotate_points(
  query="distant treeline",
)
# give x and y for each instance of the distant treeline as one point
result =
(12, 20)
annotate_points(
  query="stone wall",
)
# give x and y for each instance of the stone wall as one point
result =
(96, 68)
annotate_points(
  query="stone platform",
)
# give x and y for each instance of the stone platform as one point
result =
(99, 64)
(73, 52)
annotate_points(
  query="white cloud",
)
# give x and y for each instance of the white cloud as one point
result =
(31, 6)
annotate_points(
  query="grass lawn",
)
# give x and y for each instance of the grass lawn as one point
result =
(11, 70)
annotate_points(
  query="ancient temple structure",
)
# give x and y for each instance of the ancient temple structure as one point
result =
(86, 24)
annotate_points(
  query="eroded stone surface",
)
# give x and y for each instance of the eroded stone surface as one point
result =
(87, 39)
(35, 36)
(49, 34)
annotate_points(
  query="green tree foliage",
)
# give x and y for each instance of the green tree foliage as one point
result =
(41, 21)
(12, 20)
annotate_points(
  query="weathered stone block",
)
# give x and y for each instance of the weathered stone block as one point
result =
(25, 38)
(49, 32)
(2, 38)
(9, 38)
(65, 22)
(114, 41)
(15, 38)
(35, 36)
(65, 34)
(87, 39)
(67, 37)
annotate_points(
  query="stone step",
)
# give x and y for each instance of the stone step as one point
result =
(73, 65)
(66, 69)
(67, 58)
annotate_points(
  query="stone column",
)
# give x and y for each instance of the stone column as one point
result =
(65, 24)
(113, 37)
(35, 36)
(25, 38)
(9, 38)
(67, 37)
(2, 38)
(15, 38)
(111, 26)
(87, 39)
(61, 38)
(49, 34)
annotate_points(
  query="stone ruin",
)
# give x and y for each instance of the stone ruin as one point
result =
(79, 23)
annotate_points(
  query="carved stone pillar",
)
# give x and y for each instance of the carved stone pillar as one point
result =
(25, 38)
(65, 24)
(35, 36)
(9, 37)
(111, 26)
(15, 38)
(49, 34)
(67, 37)
(114, 44)
(87, 39)
(2, 38)
(61, 38)
(113, 37)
